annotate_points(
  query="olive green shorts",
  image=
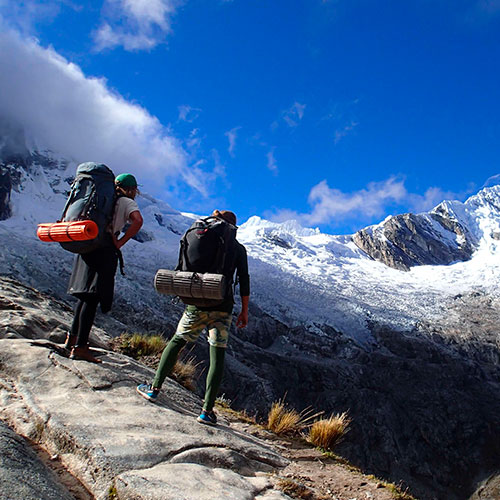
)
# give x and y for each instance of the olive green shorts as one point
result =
(194, 321)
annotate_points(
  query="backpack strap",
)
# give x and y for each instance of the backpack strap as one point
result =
(68, 201)
(121, 261)
(183, 258)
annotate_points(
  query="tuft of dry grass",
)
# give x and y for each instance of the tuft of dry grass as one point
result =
(148, 349)
(296, 490)
(327, 432)
(137, 346)
(283, 420)
(224, 404)
(184, 372)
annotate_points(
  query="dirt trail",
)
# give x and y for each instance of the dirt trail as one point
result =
(312, 475)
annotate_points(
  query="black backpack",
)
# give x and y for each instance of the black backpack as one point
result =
(208, 246)
(92, 197)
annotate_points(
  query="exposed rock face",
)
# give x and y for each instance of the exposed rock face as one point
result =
(22, 473)
(107, 435)
(410, 240)
(26, 313)
(488, 490)
(425, 404)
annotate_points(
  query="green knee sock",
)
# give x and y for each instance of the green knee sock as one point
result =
(168, 359)
(214, 376)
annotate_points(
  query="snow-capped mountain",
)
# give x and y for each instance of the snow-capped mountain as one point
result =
(300, 273)
(363, 323)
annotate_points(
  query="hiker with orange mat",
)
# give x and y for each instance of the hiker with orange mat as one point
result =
(93, 277)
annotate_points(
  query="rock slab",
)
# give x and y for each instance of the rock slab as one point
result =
(110, 437)
(22, 473)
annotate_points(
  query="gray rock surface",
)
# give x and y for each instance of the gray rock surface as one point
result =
(101, 428)
(27, 313)
(410, 240)
(190, 481)
(489, 489)
(425, 404)
(22, 473)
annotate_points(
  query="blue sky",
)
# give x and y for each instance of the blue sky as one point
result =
(333, 112)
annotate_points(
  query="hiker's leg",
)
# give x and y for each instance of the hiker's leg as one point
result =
(75, 326)
(72, 335)
(168, 360)
(214, 376)
(191, 324)
(86, 319)
(218, 334)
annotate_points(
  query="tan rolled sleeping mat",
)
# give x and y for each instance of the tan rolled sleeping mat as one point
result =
(189, 284)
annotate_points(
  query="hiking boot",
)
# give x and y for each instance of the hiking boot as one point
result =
(84, 354)
(207, 417)
(146, 391)
(70, 341)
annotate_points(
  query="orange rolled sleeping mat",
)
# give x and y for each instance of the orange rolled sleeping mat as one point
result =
(68, 231)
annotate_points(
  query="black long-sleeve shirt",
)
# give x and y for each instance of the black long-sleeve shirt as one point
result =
(240, 266)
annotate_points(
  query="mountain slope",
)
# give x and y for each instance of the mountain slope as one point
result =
(413, 355)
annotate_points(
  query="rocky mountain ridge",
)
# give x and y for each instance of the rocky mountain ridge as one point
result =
(413, 356)
(442, 236)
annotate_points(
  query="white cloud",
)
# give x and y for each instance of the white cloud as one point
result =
(82, 118)
(188, 114)
(432, 197)
(135, 24)
(492, 181)
(294, 114)
(24, 15)
(232, 135)
(271, 162)
(344, 132)
(329, 205)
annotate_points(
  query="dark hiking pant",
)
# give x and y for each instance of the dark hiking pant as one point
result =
(83, 319)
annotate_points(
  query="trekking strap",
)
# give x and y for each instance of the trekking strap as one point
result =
(121, 261)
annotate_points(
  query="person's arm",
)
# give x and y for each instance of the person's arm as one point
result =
(242, 320)
(244, 279)
(136, 221)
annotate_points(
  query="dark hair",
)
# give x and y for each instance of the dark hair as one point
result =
(125, 191)
(226, 215)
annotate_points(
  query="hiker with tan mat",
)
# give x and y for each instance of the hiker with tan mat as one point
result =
(209, 246)
(93, 277)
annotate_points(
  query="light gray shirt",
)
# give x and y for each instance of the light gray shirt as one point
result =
(123, 208)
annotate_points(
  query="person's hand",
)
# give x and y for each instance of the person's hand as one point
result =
(242, 320)
(117, 242)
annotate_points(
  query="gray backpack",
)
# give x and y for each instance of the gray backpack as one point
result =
(92, 197)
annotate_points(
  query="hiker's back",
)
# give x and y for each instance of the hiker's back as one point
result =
(92, 197)
(208, 246)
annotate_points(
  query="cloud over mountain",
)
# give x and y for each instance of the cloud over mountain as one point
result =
(81, 117)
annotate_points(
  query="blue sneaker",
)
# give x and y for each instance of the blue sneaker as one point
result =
(146, 391)
(207, 417)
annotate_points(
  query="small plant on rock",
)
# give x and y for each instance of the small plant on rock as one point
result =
(327, 432)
